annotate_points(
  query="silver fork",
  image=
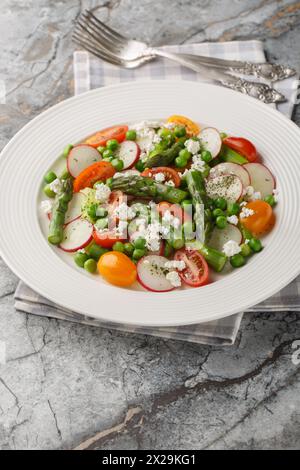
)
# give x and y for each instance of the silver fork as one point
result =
(107, 44)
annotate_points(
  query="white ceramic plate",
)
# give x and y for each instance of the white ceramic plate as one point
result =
(35, 148)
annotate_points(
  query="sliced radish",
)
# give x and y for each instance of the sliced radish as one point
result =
(227, 168)
(74, 207)
(151, 273)
(77, 235)
(221, 236)
(129, 153)
(80, 157)
(229, 187)
(145, 143)
(261, 178)
(211, 140)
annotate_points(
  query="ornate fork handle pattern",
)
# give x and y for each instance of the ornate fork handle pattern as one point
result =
(272, 72)
(261, 91)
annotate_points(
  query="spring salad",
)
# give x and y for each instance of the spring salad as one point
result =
(161, 203)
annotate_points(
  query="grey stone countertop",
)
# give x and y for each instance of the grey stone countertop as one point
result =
(66, 385)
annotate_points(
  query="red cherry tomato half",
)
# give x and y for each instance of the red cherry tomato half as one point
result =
(242, 146)
(107, 239)
(101, 137)
(175, 210)
(169, 173)
(196, 271)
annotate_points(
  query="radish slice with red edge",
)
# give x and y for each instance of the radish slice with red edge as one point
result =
(74, 207)
(77, 235)
(129, 152)
(228, 168)
(261, 178)
(211, 140)
(229, 187)
(221, 236)
(151, 273)
(81, 157)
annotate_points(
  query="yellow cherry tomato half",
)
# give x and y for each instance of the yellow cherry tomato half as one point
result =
(263, 219)
(191, 127)
(117, 268)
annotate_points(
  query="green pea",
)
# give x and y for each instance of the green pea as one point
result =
(112, 145)
(101, 212)
(107, 153)
(233, 208)
(129, 248)
(117, 164)
(80, 259)
(168, 249)
(220, 203)
(92, 211)
(206, 156)
(140, 243)
(180, 131)
(67, 149)
(255, 245)
(237, 261)
(178, 243)
(218, 213)
(101, 223)
(180, 162)
(118, 246)
(246, 250)
(270, 199)
(48, 191)
(90, 266)
(109, 181)
(131, 135)
(184, 153)
(221, 222)
(95, 251)
(186, 203)
(65, 175)
(49, 177)
(138, 253)
(164, 133)
(140, 166)
(101, 149)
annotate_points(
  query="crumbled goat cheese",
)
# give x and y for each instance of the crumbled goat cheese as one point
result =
(174, 278)
(159, 177)
(231, 248)
(275, 194)
(102, 192)
(124, 212)
(55, 186)
(193, 146)
(245, 212)
(152, 236)
(243, 203)
(170, 183)
(122, 228)
(233, 220)
(247, 241)
(169, 125)
(156, 139)
(144, 124)
(171, 219)
(46, 206)
(198, 164)
(174, 264)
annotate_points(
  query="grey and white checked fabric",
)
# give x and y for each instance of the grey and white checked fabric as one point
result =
(89, 73)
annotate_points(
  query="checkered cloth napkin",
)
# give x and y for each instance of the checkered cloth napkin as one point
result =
(89, 73)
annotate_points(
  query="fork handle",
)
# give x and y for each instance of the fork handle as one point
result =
(257, 90)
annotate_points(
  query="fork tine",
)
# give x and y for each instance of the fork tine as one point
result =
(114, 34)
(111, 41)
(101, 53)
(87, 29)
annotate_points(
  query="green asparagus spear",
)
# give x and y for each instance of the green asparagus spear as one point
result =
(142, 186)
(214, 258)
(231, 156)
(196, 187)
(164, 157)
(59, 210)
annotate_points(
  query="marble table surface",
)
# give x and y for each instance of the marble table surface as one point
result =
(66, 385)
